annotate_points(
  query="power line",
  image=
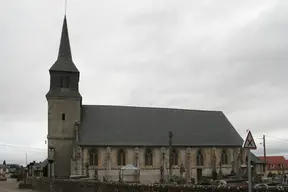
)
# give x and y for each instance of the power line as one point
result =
(21, 147)
(280, 142)
(277, 138)
(284, 141)
(258, 138)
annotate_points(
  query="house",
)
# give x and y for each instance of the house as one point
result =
(38, 169)
(275, 164)
(101, 139)
(4, 170)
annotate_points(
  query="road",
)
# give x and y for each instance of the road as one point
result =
(11, 186)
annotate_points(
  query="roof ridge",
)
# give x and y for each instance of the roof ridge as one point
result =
(156, 107)
(273, 156)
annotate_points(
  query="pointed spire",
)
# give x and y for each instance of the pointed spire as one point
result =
(64, 49)
(64, 61)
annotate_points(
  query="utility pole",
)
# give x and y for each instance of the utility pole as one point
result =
(170, 155)
(264, 147)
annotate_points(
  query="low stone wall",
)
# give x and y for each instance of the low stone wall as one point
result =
(56, 185)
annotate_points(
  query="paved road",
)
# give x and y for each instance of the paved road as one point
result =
(11, 186)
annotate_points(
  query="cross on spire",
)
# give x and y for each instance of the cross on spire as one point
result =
(65, 7)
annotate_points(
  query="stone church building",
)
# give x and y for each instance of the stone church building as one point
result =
(100, 139)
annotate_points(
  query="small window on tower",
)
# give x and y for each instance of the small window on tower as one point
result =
(67, 82)
(63, 116)
(61, 82)
(64, 82)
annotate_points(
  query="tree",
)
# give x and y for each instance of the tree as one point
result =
(4, 162)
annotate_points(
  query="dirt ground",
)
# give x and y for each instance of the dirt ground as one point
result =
(11, 185)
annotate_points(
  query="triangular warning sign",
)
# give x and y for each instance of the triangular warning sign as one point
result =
(249, 142)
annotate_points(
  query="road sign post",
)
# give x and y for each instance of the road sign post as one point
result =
(249, 172)
(249, 144)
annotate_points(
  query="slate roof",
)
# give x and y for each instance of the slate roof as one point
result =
(143, 126)
(256, 159)
(64, 61)
(62, 93)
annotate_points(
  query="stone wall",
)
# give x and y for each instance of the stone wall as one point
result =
(42, 185)
(62, 115)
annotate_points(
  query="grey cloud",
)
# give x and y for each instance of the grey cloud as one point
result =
(258, 87)
(252, 73)
(262, 49)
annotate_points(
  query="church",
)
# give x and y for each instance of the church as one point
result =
(157, 143)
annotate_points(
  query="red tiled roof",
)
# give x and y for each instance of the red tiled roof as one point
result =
(275, 160)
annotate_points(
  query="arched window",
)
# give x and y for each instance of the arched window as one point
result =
(148, 157)
(174, 157)
(199, 158)
(93, 157)
(121, 160)
(224, 157)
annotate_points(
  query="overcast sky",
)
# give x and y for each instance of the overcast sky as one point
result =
(227, 55)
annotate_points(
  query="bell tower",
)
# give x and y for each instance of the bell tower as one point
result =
(64, 107)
